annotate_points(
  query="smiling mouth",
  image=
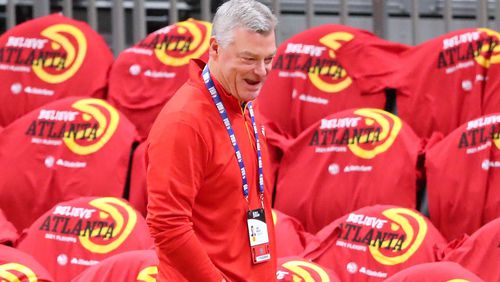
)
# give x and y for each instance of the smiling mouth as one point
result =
(252, 82)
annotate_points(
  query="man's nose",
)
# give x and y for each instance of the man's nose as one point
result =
(261, 69)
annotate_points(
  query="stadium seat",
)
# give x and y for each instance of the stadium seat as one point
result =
(50, 58)
(441, 81)
(321, 71)
(74, 235)
(67, 149)
(374, 243)
(138, 191)
(291, 238)
(146, 75)
(128, 266)
(463, 177)
(8, 233)
(293, 269)
(15, 265)
(346, 161)
(479, 253)
(435, 271)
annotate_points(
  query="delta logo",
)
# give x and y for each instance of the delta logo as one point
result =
(100, 226)
(176, 44)
(54, 57)
(391, 238)
(300, 270)
(366, 133)
(84, 128)
(14, 272)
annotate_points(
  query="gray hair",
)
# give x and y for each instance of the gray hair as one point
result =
(248, 14)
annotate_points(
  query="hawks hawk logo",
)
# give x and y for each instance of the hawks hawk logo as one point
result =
(184, 41)
(490, 51)
(103, 120)
(123, 218)
(9, 272)
(306, 271)
(68, 41)
(402, 221)
(332, 79)
(388, 127)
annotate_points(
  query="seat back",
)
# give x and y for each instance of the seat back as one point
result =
(16, 265)
(442, 81)
(346, 161)
(375, 242)
(50, 58)
(146, 75)
(463, 177)
(77, 234)
(67, 149)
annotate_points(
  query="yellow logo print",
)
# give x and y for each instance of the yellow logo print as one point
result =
(337, 77)
(147, 274)
(197, 47)
(387, 135)
(74, 56)
(301, 271)
(486, 48)
(414, 238)
(275, 217)
(124, 225)
(7, 275)
(107, 126)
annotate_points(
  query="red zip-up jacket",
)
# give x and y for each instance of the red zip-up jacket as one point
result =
(196, 208)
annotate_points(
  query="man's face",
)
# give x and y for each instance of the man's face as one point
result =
(245, 63)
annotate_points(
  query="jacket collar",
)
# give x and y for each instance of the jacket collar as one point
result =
(230, 102)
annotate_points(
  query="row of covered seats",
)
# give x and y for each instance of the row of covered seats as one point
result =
(362, 157)
(61, 139)
(329, 160)
(105, 239)
(332, 155)
(386, 243)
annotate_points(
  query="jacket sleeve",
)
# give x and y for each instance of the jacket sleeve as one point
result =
(177, 156)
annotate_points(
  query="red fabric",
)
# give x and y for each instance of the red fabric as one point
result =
(60, 239)
(296, 94)
(491, 98)
(67, 149)
(292, 269)
(138, 189)
(463, 177)
(291, 238)
(373, 243)
(128, 266)
(8, 233)
(441, 81)
(480, 253)
(145, 76)
(16, 264)
(28, 84)
(329, 171)
(435, 271)
(196, 208)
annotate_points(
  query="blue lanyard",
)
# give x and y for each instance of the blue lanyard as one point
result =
(223, 114)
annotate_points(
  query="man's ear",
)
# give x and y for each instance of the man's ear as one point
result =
(213, 50)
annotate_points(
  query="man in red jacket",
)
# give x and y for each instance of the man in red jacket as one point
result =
(207, 159)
